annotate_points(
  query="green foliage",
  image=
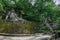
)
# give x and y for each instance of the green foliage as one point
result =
(40, 11)
(1, 7)
(40, 8)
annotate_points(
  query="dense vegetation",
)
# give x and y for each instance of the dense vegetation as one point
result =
(43, 15)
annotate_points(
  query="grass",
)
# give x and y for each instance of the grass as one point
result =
(17, 27)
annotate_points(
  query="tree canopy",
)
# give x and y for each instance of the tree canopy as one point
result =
(43, 11)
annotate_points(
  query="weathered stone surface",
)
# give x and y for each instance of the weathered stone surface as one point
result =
(25, 37)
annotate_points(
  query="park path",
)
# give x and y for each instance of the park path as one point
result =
(24, 38)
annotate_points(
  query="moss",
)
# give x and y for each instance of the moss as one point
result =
(17, 27)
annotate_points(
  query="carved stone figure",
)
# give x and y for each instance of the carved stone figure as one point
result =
(12, 16)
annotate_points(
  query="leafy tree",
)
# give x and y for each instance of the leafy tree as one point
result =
(43, 11)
